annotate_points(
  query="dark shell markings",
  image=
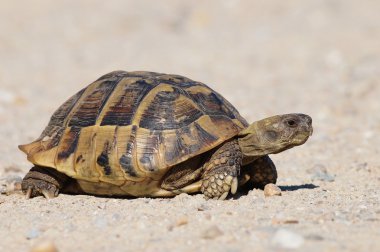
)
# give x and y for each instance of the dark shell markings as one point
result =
(130, 126)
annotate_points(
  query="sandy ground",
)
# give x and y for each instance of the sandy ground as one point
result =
(267, 57)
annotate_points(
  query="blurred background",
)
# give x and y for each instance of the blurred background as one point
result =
(266, 57)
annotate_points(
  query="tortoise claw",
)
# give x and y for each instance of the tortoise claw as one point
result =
(48, 194)
(234, 185)
(28, 192)
(223, 196)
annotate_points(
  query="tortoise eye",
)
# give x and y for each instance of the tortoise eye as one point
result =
(291, 123)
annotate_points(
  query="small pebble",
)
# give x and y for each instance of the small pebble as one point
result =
(7, 96)
(277, 221)
(272, 190)
(212, 232)
(203, 207)
(287, 239)
(182, 221)
(46, 246)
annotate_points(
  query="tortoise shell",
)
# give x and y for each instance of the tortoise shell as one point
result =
(129, 126)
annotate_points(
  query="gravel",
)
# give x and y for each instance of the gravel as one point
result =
(320, 58)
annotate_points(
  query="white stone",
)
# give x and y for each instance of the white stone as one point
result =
(6, 96)
(287, 239)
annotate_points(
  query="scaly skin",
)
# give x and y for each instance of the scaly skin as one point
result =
(221, 171)
(43, 181)
(261, 172)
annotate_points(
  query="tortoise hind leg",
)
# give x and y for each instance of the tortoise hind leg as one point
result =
(183, 174)
(260, 172)
(43, 181)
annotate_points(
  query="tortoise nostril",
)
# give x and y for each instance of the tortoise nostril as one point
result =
(309, 120)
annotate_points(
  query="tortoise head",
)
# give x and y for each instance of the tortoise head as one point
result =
(275, 134)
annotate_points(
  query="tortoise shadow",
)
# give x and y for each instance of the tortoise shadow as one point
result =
(291, 188)
(244, 190)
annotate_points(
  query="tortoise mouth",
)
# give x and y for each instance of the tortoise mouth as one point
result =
(302, 137)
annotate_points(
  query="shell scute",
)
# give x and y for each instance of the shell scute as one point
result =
(130, 126)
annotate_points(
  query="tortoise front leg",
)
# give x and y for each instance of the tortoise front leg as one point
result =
(221, 171)
(262, 171)
(43, 181)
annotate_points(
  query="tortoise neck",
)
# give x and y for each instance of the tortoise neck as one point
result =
(251, 148)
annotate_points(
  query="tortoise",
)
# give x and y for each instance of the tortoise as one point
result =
(147, 134)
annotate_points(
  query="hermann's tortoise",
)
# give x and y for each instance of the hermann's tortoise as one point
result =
(155, 135)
